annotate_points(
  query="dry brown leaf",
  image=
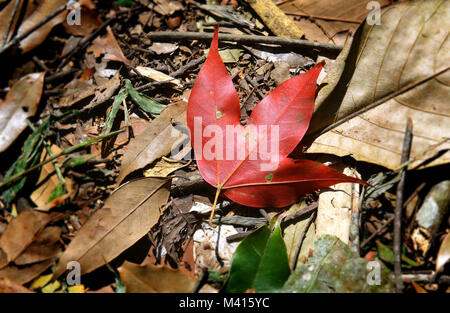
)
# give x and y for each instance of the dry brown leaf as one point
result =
(43, 9)
(152, 279)
(326, 30)
(407, 47)
(78, 91)
(157, 75)
(128, 214)
(24, 275)
(156, 141)
(275, 19)
(20, 103)
(292, 233)
(45, 246)
(108, 47)
(168, 7)
(89, 22)
(27, 224)
(8, 286)
(163, 168)
(443, 255)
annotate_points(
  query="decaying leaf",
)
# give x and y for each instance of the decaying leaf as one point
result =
(108, 47)
(20, 103)
(333, 267)
(9, 286)
(89, 21)
(21, 231)
(44, 246)
(163, 47)
(156, 141)
(406, 48)
(163, 168)
(128, 214)
(23, 275)
(35, 13)
(292, 233)
(151, 278)
(157, 75)
(329, 20)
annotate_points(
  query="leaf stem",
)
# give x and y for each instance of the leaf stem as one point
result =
(219, 189)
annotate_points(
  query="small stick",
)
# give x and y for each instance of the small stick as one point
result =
(255, 85)
(84, 43)
(383, 228)
(302, 238)
(309, 208)
(247, 39)
(399, 207)
(326, 18)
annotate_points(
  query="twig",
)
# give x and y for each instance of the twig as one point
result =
(264, 214)
(54, 157)
(19, 38)
(84, 43)
(326, 18)
(219, 259)
(188, 66)
(399, 207)
(202, 281)
(426, 278)
(309, 208)
(383, 228)
(248, 39)
(255, 85)
(302, 238)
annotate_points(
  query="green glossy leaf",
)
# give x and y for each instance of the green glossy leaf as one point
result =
(260, 262)
(145, 103)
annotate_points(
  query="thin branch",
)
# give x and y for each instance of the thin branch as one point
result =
(399, 207)
(302, 238)
(248, 39)
(326, 18)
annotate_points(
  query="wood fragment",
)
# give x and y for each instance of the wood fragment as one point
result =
(399, 207)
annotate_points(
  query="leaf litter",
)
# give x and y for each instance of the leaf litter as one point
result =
(123, 194)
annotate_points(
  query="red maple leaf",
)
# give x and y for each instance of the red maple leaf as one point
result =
(229, 155)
